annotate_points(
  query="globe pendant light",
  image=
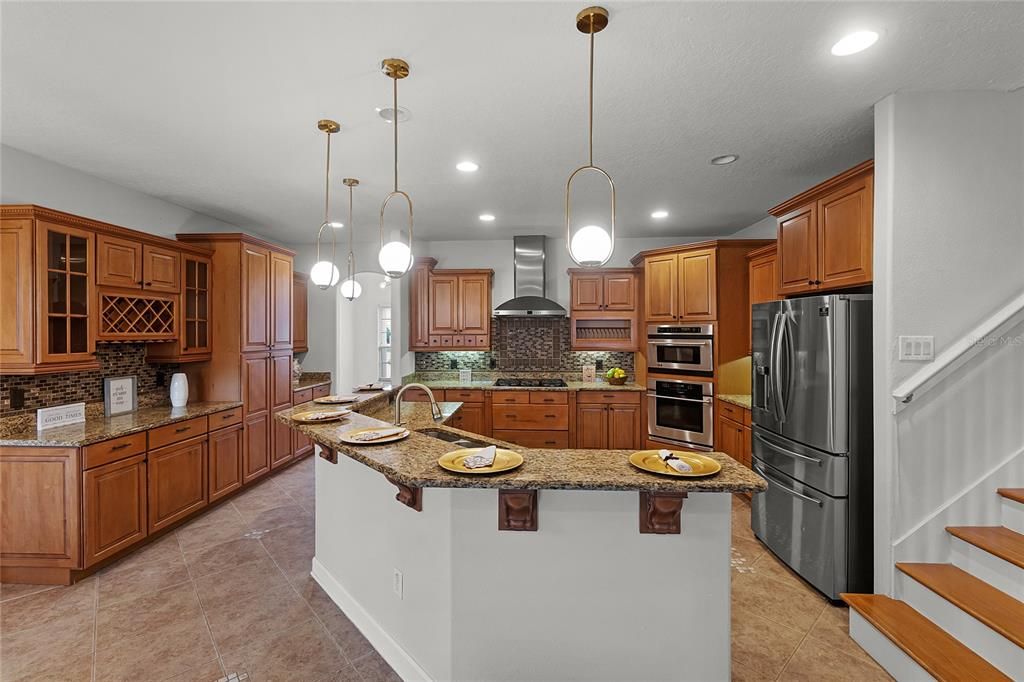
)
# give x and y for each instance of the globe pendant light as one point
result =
(324, 273)
(592, 245)
(395, 257)
(350, 288)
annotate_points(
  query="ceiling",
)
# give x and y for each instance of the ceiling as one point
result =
(213, 105)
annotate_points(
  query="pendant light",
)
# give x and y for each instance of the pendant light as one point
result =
(592, 245)
(350, 288)
(324, 273)
(395, 257)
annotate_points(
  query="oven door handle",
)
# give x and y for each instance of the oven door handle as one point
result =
(685, 400)
(776, 448)
(679, 342)
(786, 488)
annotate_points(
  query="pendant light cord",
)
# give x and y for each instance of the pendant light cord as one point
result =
(327, 181)
(591, 90)
(395, 114)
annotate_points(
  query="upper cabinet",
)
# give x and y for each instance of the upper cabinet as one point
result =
(825, 234)
(129, 264)
(603, 312)
(280, 301)
(610, 289)
(300, 307)
(681, 286)
(255, 298)
(64, 275)
(449, 308)
(762, 269)
(161, 269)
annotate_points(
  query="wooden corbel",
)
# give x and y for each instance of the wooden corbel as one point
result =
(517, 509)
(660, 512)
(330, 454)
(409, 496)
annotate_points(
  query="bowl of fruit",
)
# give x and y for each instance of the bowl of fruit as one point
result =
(616, 376)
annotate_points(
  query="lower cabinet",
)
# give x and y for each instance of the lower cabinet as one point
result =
(469, 417)
(592, 426)
(255, 454)
(608, 421)
(280, 443)
(177, 481)
(535, 439)
(225, 457)
(114, 505)
(733, 438)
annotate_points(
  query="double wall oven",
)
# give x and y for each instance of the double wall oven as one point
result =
(681, 412)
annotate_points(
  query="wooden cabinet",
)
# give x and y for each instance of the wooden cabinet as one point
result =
(118, 262)
(256, 394)
(16, 313)
(624, 427)
(587, 291)
(762, 272)
(608, 420)
(591, 426)
(449, 309)
(300, 311)
(444, 303)
(825, 234)
(281, 397)
(419, 308)
(195, 325)
(161, 269)
(255, 299)
(661, 287)
(698, 286)
(225, 462)
(64, 271)
(256, 383)
(732, 431)
(280, 301)
(177, 481)
(531, 418)
(114, 503)
(469, 417)
(255, 447)
(475, 304)
(603, 310)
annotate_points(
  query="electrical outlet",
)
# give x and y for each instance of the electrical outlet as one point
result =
(453, 364)
(917, 348)
(598, 364)
(17, 398)
(396, 583)
(494, 363)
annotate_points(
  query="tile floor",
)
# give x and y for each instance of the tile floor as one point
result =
(230, 594)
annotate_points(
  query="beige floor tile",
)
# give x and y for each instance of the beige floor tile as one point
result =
(49, 650)
(743, 673)
(819, 661)
(236, 623)
(761, 647)
(218, 590)
(266, 495)
(181, 647)
(295, 567)
(745, 553)
(290, 540)
(48, 607)
(790, 604)
(164, 549)
(214, 558)
(833, 626)
(276, 517)
(129, 581)
(10, 591)
(153, 614)
(772, 566)
(344, 632)
(56, 669)
(373, 668)
(211, 671)
(215, 527)
(305, 652)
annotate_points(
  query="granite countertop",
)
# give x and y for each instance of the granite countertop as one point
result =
(311, 379)
(741, 399)
(413, 461)
(98, 429)
(489, 386)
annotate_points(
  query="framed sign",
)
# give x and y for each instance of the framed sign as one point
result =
(119, 395)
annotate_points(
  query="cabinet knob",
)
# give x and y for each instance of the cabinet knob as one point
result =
(147, 284)
(810, 281)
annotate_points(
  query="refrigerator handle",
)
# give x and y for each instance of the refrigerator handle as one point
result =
(775, 366)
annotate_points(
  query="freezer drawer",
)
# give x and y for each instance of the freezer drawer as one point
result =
(803, 527)
(821, 470)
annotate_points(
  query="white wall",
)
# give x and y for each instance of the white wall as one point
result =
(948, 252)
(765, 228)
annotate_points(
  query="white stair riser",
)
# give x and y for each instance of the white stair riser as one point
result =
(1000, 574)
(895, 661)
(1013, 515)
(975, 635)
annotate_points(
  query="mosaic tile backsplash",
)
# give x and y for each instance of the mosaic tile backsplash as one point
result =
(116, 360)
(527, 345)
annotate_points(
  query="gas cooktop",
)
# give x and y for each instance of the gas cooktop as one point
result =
(532, 383)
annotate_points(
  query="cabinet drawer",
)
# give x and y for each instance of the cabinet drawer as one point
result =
(231, 417)
(418, 395)
(549, 397)
(321, 391)
(535, 439)
(510, 398)
(113, 450)
(303, 396)
(734, 412)
(609, 397)
(554, 417)
(172, 433)
(464, 395)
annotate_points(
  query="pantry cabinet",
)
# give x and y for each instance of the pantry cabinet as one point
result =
(300, 308)
(449, 309)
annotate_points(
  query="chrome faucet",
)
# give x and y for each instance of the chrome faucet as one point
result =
(435, 409)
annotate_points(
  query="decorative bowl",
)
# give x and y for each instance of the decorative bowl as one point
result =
(617, 381)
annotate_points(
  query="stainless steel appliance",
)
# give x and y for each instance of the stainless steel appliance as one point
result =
(532, 383)
(530, 281)
(687, 348)
(681, 412)
(812, 437)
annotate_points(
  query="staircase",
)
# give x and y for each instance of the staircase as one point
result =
(962, 620)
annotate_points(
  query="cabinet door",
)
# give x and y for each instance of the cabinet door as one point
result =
(623, 427)
(64, 267)
(844, 235)
(730, 438)
(660, 287)
(698, 285)
(591, 426)
(118, 262)
(443, 304)
(177, 482)
(161, 269)
(763, 279)
(587, 291)
(300, 308)
(256, 384)
(470, 418)
(255, 298)
(114, 504)
(40, 507)
(474, 304)
(16, 283)
(281, 301)
(195, 326)
(419, 303)
(225, 457)
(748, 449)
(301, 444)
(798, 250)
(256, 441)
(281, 398)
(619, 292)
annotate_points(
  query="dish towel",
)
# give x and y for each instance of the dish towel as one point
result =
(483, 458)
(671, 460)
(377, 434)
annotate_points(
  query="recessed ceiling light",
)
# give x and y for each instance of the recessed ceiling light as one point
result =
(724, 160)
(388, 114)
(487, 217)
(854, 43)
(467, 166)
(659, 214)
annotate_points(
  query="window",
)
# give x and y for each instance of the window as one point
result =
(384, 342)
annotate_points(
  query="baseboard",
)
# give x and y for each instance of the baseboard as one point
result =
(397, 657)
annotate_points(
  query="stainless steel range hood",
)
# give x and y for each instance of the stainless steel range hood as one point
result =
(530, 300)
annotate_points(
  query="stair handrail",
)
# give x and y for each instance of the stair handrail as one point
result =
(948, 361)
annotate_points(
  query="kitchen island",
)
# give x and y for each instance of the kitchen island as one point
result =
(573, 566)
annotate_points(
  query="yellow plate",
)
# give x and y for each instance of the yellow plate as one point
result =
(504, 460)
(335, 399)
(347, 437)
(320, 416)
(648, 460)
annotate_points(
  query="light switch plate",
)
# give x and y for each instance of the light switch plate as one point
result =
(917, 348)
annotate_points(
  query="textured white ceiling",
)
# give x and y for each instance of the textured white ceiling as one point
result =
(213, 106)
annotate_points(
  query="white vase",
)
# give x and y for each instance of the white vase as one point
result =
(179, 390)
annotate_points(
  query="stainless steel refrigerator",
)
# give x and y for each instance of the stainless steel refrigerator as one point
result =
(812, 437)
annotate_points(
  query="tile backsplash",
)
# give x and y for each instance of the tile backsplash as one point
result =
(116, 360)
(527, 345)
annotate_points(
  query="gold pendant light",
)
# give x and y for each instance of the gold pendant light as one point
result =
(324, 273)
(350, 288)
(591, 246)
(395, 257)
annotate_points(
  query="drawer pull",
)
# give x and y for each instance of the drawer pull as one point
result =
(607, 395)
(551, 416)
(122, 446)
(549, 442)
(226, 416)
(549, 400)
(183, 429)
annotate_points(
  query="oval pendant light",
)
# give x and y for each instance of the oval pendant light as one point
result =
(350, 288)
(592, 245)
(395, 257)
(324, 273)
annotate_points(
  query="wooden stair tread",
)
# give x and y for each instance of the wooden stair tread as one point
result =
(993, 607)
(1015, 494)
(933, 648)
(997, 540)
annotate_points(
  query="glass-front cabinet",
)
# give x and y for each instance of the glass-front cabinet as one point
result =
(66, 258)
(195, 329)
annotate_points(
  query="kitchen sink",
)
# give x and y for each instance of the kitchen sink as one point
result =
(453, 438)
